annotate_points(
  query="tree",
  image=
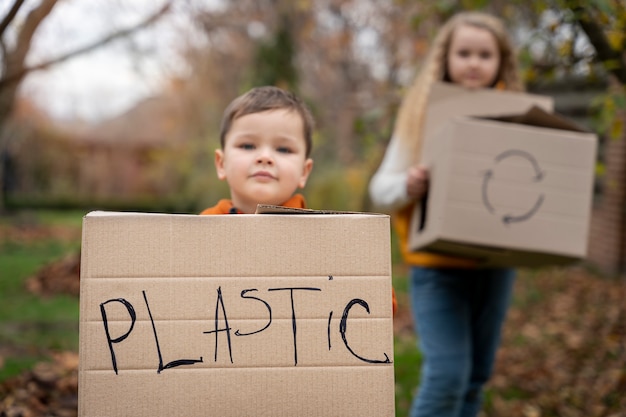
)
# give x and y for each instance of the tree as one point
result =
(604, 24)
(274, 60)
(13, 66)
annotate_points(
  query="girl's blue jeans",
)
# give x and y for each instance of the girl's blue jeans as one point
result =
(458, 315)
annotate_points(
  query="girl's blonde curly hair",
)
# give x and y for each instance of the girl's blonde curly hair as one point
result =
(409, 123)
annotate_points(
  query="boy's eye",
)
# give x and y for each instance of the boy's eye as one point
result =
(485, 55)
(284, 149)
(247, 146)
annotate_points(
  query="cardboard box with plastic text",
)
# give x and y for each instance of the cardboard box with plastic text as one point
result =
(246, 315)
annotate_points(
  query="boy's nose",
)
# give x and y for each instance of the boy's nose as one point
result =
(265, 157)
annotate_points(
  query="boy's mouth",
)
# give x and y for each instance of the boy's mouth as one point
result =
(262, 175)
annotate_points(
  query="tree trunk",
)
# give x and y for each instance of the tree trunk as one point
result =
(14, 69)
(13, 72)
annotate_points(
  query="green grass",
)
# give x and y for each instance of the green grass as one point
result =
(31, 326)
(16, 365)
(406, 368)
(61, 218)
(407, 357)
(70, 218)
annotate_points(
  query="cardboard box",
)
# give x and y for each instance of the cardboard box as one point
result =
(247, 315)
(447, 101)
(510, 190)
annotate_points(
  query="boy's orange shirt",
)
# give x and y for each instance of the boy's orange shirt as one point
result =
(225, 206)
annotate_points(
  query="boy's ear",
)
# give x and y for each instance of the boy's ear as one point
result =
(306, 170)
(219, 164)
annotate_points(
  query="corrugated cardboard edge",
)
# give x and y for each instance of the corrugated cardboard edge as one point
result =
(271, 209)
(261, 209)
(444, 91)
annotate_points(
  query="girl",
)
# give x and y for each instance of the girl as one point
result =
(458, 308)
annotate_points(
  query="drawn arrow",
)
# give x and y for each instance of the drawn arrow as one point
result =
(488, 175)
(508, 218)
(539, 174)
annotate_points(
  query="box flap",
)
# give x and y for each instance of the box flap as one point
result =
(536, 116)
(447, 101)
(456, 100)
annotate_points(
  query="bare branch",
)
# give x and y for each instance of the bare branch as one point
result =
(595, 33)
(25, 35)
(10, 16)
(13, 60)
(18, 75)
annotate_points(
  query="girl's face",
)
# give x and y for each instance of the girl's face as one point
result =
(473, 57)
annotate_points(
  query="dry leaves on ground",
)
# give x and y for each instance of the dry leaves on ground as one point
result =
(60, 277)
(564, 348)
(49, 389)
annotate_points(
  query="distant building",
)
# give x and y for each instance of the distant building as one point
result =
(132, 158)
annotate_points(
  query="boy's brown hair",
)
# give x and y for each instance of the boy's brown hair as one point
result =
(266, 98)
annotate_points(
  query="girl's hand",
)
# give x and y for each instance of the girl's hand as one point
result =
(417, 182)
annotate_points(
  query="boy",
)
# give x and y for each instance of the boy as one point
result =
(266, 142)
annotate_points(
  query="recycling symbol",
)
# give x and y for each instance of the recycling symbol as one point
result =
(538, 175)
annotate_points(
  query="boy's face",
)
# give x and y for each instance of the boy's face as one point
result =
(264, 158)
(473, 57)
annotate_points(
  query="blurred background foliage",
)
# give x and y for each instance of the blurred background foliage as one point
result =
(351, 60)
